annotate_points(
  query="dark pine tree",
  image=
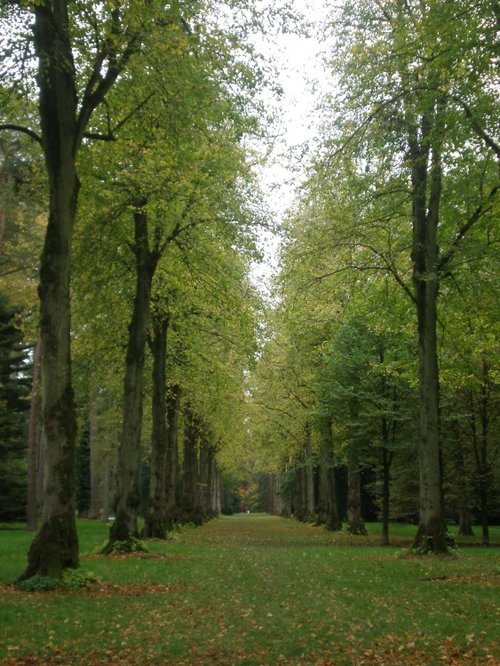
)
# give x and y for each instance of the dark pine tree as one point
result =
(15, 381)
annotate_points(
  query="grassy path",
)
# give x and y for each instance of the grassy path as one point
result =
(256, 590)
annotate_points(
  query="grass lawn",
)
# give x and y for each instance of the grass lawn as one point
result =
(257, 590)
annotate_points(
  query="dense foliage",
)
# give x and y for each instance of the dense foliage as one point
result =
(365, 387)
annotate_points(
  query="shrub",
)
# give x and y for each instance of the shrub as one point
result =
(76, 579)
(38, 584)
(132, 545)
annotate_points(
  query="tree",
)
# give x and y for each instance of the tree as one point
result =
(418, 98)
(14, 393)
(69, 91)
(83, 471)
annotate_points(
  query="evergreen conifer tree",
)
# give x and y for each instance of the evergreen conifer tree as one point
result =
(15, 383)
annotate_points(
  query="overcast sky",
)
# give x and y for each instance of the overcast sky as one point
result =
(298, 64)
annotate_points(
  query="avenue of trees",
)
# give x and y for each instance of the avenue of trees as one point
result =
(378, 371)
(138, 362)
(133, 120)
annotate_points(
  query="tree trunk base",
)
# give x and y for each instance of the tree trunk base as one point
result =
(125, 547)
(466, 531)
(54, 548)
(433, 538)
(155, 527)
(333, 524)
(123, 536)
(357, 527)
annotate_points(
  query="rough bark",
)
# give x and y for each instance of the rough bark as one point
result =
(308, 474)
(480, 442)
(124, 527)
(386, 480)
(63, 122)
(327, 510)
(217, 490)
(214, 488)
(431, 534)
(155, 523)
(56, 544)
(33, 438)
(189, 504)
(106, 483)
(172, 456)
(485, 468)
(355, 524)
(281, 506)
(40, 466)
(95, 495)
(205, 470)
(299, 492)
(462, 485)
(271, 507)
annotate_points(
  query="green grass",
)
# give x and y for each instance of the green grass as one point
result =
(257, 590)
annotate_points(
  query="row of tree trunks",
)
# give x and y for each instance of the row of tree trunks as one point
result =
(200, 497)
(124, 528)
(327, 510)
(277, 503)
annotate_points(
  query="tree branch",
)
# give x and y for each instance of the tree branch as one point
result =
(110, 136)
(97, 86)
(476, 215)
(477, 128)
(23, 130)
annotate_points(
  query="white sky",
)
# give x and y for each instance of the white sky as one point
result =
(298, 63)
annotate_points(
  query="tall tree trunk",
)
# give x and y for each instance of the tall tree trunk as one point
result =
(431, 534)
(327, 510)
(172, 456)
(55, 547)
(462, 484)
(33, 438)
(218, 490)
(386, 483)
(40, 466)
(355, 524)
(203, 478)
(95, 456)
(486, 474)
(299, 494)
(214, 487)
(271, 493)
(106, 483)
(387, 456)
(480, 437)
(190, 469)
(464, 519)
(155, 524)
(124, 527)
(280, 507)
(308, 473)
